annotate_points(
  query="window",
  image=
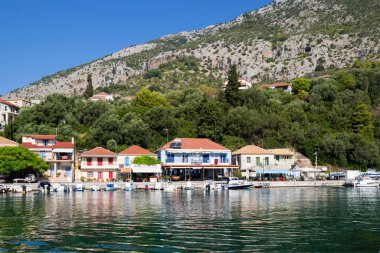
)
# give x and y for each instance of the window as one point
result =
(126, 161)
(185, 158)
(277, 158)
(266, 161)
(43, 154)
(45, 142)
(90, 174)
(206, 158)
(170, 158)
(89, 161)
(110, 160)
(100, 161)
(258, 161)
(223, 158)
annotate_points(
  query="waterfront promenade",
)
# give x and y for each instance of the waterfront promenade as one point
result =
(200, 184)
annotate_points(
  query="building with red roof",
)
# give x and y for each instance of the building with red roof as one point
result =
(195, 158)
(99, 164)
(138, 171)
(264, 163)
(277, 86)
(8, 112)
(104, 96)
(59, 155)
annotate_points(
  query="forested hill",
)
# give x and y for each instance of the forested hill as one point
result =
(336, 114)
(283, 40)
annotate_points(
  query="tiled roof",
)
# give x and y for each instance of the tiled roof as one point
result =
(29, 145)
(281, 84)
(136, 150)
(99, 151)
(40, 136)
(66, 145)
(8, 103)
(282, 151)
(196, 143)
(7, 142)
(100, 95)
(252, 150)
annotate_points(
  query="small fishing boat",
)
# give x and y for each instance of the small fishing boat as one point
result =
(111, 187)
(95, 188)
(3, 188)
(78, 188)
(44, 186)
(170, 188)
(158, 187)
(365, 181)
(129, 186)
(57, 188)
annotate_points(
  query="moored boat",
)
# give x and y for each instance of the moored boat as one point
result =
(3, 188)
(111, 187)
(78, 188)
(158, 187)
(235, 183)
(95, 188)
(129, 186)
(365, 181)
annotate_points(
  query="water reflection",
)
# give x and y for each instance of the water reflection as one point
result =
(275, 220)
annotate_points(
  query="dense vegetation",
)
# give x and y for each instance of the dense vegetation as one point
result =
(16, 162)
(338, 116)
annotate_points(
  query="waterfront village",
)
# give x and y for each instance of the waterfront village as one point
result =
(181, 159)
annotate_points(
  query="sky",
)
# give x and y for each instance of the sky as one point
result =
(41, 37)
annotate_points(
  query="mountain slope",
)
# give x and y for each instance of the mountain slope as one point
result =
(283, 40)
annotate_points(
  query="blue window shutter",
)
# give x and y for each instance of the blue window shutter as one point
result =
(126, 161)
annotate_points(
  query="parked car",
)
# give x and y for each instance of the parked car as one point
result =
(30, 178)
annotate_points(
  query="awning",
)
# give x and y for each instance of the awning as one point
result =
(126, 170)
(146, 168)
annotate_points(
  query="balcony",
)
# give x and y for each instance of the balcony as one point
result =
(96, 166)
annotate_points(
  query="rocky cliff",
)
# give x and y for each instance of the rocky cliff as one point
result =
(283, 40)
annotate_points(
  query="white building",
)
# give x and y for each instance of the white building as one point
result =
(138, 172)
(244, 84)
(195, 158)
(59, 155)
(262, 163)
(102, 96)
(8, 112)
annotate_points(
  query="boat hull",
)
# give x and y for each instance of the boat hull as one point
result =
(239, 187)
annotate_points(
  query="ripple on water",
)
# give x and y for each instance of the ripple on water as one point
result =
(275, 220)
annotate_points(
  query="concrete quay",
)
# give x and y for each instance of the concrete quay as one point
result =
(200, 184)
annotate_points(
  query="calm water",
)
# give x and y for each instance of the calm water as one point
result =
(259, 220)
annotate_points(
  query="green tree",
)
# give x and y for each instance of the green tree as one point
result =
(18, 161)
(210, 120)
(146, 160)
(301, 85)
(362, 121)
(232, 89)
(145, 100)
(89, 92)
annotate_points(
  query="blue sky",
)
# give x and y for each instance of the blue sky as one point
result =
(40, 37)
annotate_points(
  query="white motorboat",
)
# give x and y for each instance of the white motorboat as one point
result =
(235, 183)
(365, 181)
(158, 187)
(95, 188)
(3, 188)
(57, 188)
(78, 188)
(129, 186)
(170, 188)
